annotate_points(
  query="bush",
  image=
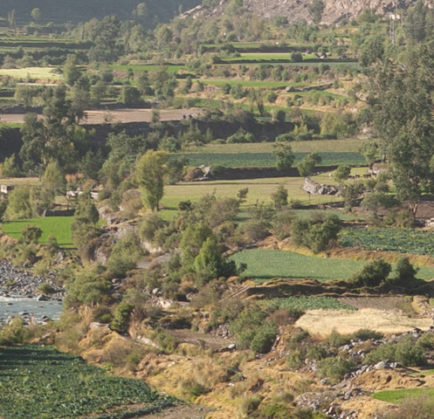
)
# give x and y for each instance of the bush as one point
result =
(336, 339)
(125, 255)
(366, 334)
(252, 331)
(281, 224)
(150, 224)
(317, 233)
(121, 317)
(164, 340)
(14, 333)
(372, 275)
(406, 352)
(335, 368)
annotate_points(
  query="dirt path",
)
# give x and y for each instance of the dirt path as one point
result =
(93, 117)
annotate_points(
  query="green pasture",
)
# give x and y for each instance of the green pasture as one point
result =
(402, 240)
(259, 190)
(41, 382)
(39, 73)
(59, 227)
(267, 159)
(265, 264)
(397, 396)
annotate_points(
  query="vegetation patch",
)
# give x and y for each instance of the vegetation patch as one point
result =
(419, 242)
(304, 303)
(42, 382)
(264, 264)
(396, 396)
(59, 227)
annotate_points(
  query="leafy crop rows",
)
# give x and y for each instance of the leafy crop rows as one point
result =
(40, 382)
(392, 239)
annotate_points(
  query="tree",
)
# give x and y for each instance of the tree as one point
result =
(307, 165)
(151, 170)
(342, 172)
(369, 151)
(19, 204)
(316, 9)
(36, 14)
(280, 197)
(401, 102)
(284, 156)
(71, 72)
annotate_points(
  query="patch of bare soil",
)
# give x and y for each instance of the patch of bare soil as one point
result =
(216, 343)
(398, 302)
(322, 322)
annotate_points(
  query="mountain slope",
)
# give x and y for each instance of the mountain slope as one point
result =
(61, 11)
(298, 10)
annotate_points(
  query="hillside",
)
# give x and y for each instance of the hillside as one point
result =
(81, 10)
(297, 10)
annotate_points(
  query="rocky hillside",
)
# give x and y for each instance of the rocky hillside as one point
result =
(297, 10)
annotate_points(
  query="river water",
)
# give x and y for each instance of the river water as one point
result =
(10, 307)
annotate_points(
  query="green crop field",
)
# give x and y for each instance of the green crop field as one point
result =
(396, 396)
(35, 73)
(265, 264)
(259, 190)
(304, 303)
(59, 227)
(40, 382)
(267, 159)
(419, 242)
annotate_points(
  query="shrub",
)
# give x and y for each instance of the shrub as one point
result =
(342, 172)
(366, 334)
(406, 352)
(252, 331)
(30, 234)
(336, 339)
(335, 368)
(249, 405)
(164, 340)
(125, 255)
(121, 317)
(281, 224)
(317, 233)
(280, 197)
(150, 224)
(372, 275)
(14, 333)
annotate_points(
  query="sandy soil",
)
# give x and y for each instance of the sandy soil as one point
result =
(322, 322)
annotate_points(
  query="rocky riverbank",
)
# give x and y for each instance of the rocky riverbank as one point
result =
(19, 283)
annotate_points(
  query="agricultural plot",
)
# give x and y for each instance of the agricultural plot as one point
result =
(32, 73)
(260, 190)
(267, 159)
(304, 303)
(59, 227)
(419, 242)
(265, 264)
(40, 382)
(396, 396)
(267, 84)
